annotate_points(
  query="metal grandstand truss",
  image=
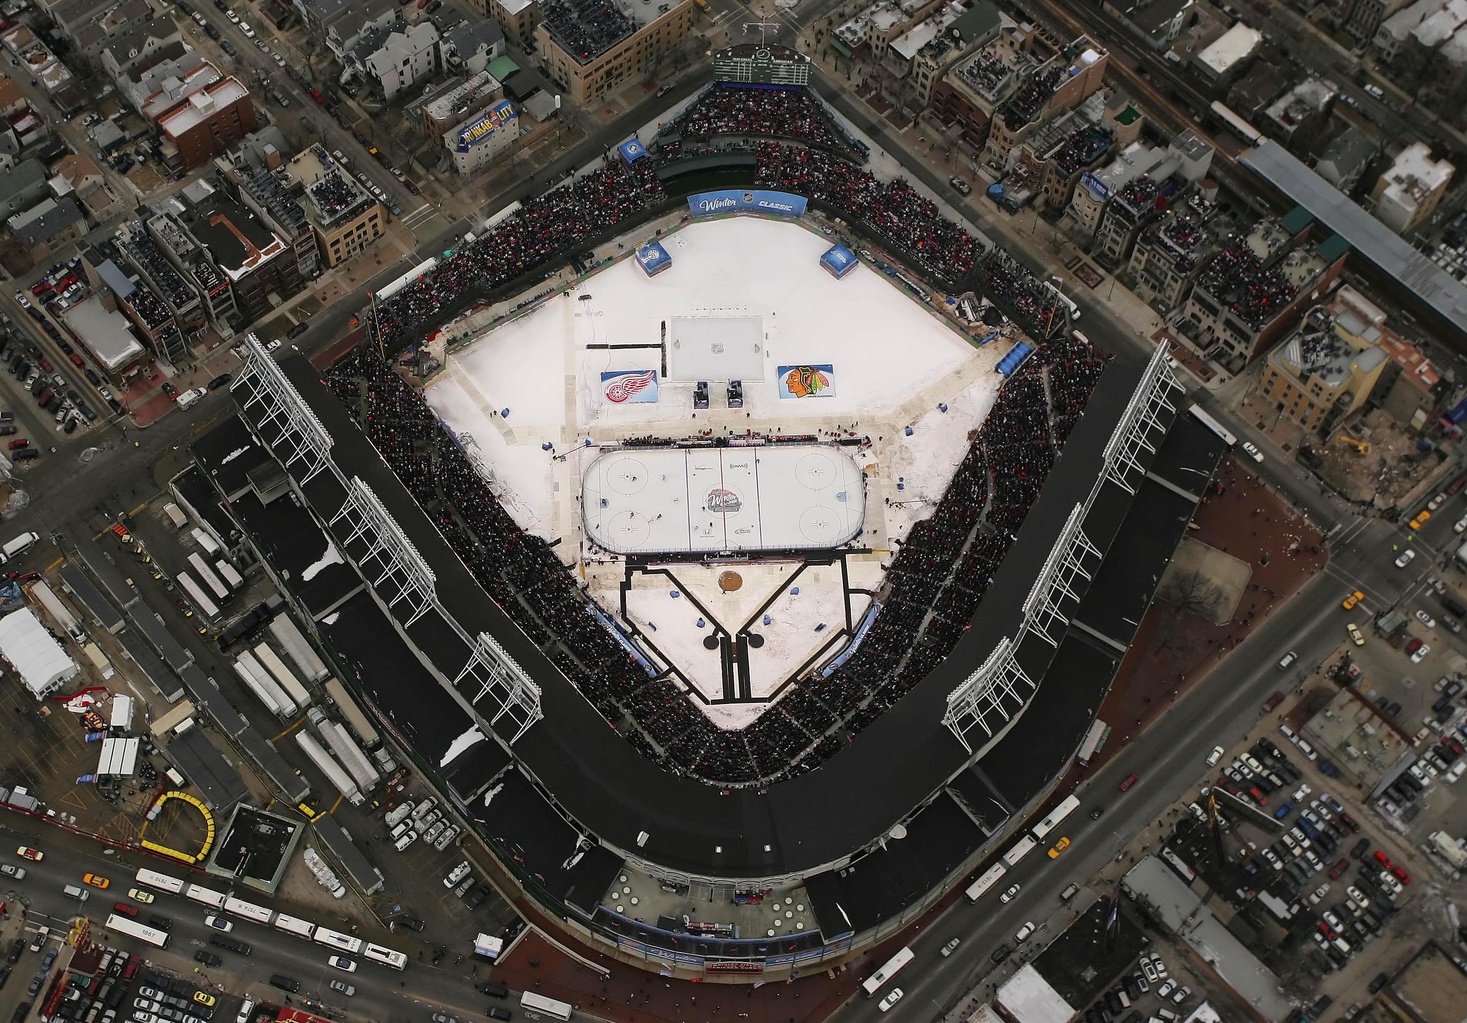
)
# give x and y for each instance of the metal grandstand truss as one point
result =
(982, 694)
(503, 683)
(1140, 421)
(403, 573)
(302, 439)
(1056, 580)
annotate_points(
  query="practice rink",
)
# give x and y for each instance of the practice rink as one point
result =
(693, 500)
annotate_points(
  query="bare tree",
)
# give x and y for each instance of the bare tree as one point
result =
(1192, 593)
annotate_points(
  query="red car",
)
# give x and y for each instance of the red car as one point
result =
(125, 909)
(1258, 797)
(19, 443)
(1383, 859)
(76, 360)
(1273, 701)
(1414, 645)
(1130, 780)
(66, 282)
(1338, 870)
(316, 95)
(1401, 874)
(1327, 931)
(40, 288)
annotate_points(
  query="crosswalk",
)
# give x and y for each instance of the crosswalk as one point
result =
(421, 215)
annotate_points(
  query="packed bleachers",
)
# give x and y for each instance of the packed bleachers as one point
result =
(907, 221)
(934, 585)
(794, 114)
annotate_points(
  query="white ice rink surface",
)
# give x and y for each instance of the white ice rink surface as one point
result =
(686, 500)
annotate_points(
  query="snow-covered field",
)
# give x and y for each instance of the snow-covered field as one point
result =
(529, 401)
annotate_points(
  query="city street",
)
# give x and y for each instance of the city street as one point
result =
(382, 993)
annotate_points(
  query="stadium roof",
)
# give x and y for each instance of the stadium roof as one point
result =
(1388, 252)
(607, 786)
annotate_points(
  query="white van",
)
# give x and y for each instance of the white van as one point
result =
(190, 397)
(76, 892)
(18, 545)
(246, 1011)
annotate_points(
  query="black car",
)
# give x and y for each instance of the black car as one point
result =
(231, 944)
(92, 377)
(16, 949)
(297, 330)
(207, 958)
(476, 898)
(210, 31)
(222, 380)
(163, 923)
(409, 921)
(227, 47)
(1380, 981)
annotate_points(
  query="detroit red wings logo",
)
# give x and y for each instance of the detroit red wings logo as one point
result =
(629, 384)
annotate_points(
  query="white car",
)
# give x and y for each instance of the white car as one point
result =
(1166, 989)
(456, 874)
(1252, 452)
(1319, 894)
(1217, 752)
(219, 923)
(1425, 619)
(1407, 556)
(233, 18)
(951, 946)
(1024, 932)
(1008, 896)
(894, 996)
(1460, 524)
(1160, 966)
(11, 870)
(343, 963)
(139, 895)
(1149, 970)
(1420, 653)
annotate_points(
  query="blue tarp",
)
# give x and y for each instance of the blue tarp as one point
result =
(1458, 413)
(1010, 363)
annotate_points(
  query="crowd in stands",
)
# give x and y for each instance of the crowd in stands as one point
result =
(936, 580)
(795, 114)
(934, 586)
(545, 228)
(1021, 295)
(908, 221)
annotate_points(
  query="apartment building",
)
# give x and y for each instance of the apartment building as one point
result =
(1168, 255)
(594, 48)
(1143, 199)
(1321, 372)
(1061, 83)
(208, 122)
(970, 94)
(1409, 192)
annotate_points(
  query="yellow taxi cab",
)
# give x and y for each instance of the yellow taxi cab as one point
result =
(1059, 847)
(1420, 519)
(204, 998)
(1353, 599)
(96, 881)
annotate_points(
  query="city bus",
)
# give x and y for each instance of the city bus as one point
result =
(1023, 847)
(293, 925)
(335, 939)
(162, 882)
(384, 956)
(1055, 817)
(893, 966)
(130, 927)
(985, 881)
(1212, 424)
(540, 1007)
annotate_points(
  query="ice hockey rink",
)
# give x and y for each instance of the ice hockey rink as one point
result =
(783, 497)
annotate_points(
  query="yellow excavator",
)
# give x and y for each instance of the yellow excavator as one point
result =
(1360, 446)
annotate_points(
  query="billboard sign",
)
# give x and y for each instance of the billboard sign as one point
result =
(629, 387)
(817, 381)
(782, 204)
(496, 117)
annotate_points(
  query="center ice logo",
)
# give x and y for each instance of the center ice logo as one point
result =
(723, 501)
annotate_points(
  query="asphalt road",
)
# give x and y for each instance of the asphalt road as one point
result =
(381, 993)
